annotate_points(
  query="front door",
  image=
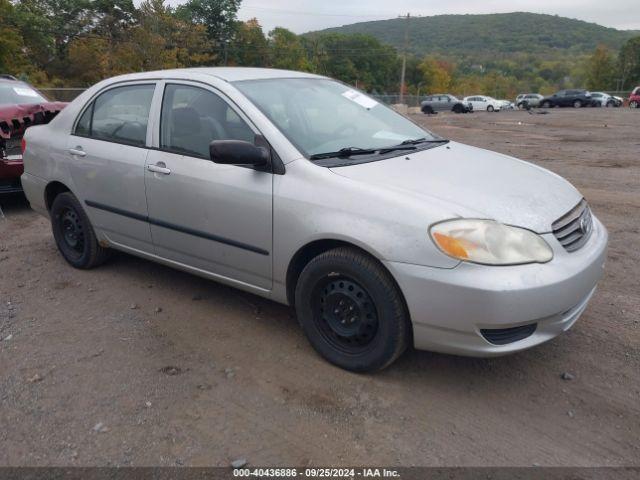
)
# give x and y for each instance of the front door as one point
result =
(213, 217)
(107, 154)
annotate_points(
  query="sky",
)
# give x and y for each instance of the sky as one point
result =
(305, 15)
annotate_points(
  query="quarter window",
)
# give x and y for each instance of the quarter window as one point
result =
(193, 117)
(119, 115)
(83, 127)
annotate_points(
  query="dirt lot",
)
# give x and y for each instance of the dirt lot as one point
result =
(138, 364)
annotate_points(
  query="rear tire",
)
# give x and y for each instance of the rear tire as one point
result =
(74, 234)
(428, 110)
(352, 311)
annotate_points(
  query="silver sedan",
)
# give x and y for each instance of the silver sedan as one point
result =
(301, 189)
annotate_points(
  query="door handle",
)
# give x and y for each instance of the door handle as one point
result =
(159, 168)
(77, 152)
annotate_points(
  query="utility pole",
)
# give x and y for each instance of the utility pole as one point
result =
(404, 58)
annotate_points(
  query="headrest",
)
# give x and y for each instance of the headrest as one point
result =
(185, 121)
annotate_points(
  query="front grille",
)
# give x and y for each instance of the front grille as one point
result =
(504, 336)
(574, 229)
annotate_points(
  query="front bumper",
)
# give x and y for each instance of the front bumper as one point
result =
(450, 307)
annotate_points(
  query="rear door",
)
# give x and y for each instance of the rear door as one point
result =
(209, 216)
(107, 152)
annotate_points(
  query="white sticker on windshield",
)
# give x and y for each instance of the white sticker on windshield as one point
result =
(25, 92)
(360, 99)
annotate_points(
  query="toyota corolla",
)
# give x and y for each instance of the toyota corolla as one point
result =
(304, 190)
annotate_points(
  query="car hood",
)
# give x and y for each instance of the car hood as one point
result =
(474, 182)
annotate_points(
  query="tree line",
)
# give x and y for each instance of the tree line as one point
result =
(75, 43)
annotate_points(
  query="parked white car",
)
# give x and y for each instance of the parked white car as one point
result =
(483, 103)
(601, 99)
(507, 105)
(528, 100)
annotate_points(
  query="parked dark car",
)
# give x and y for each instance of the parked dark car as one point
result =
(568, 98)
(634, 98)
(444, 103)
(21, 106)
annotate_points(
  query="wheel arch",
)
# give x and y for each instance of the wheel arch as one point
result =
(52, 190)
(314, 248)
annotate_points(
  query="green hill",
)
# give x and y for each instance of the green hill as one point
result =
(488, 36)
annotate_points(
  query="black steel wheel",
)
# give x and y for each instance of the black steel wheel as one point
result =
(72, 230)
(74, 234)
(351, 310)
(344, 314)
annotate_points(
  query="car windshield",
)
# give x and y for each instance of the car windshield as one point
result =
(15, 93)
(322, 115)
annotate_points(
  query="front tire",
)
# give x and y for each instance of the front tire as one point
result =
(352, 311)
(633, 104)
(577, 104)
(490, 108)
(74, 234)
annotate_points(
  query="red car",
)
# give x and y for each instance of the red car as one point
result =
(634, 98)
(21, 106)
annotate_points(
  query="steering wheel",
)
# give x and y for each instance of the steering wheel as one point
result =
(118, 128)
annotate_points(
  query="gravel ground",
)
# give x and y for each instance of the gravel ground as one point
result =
(137, 364)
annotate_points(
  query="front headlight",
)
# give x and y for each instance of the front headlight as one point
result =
(489, 242)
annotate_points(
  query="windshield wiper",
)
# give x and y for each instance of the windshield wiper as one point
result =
(343, 152)
(410, 144)
(396, 147)
(424, 140)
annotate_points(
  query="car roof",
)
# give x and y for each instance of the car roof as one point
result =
(228, 74)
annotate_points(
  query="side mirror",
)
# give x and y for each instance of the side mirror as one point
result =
(238, 152)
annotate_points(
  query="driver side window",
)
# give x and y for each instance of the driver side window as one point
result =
(118, 115)
(193, 117)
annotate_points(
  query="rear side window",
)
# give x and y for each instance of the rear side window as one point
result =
(118, 115)
(193, 117)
